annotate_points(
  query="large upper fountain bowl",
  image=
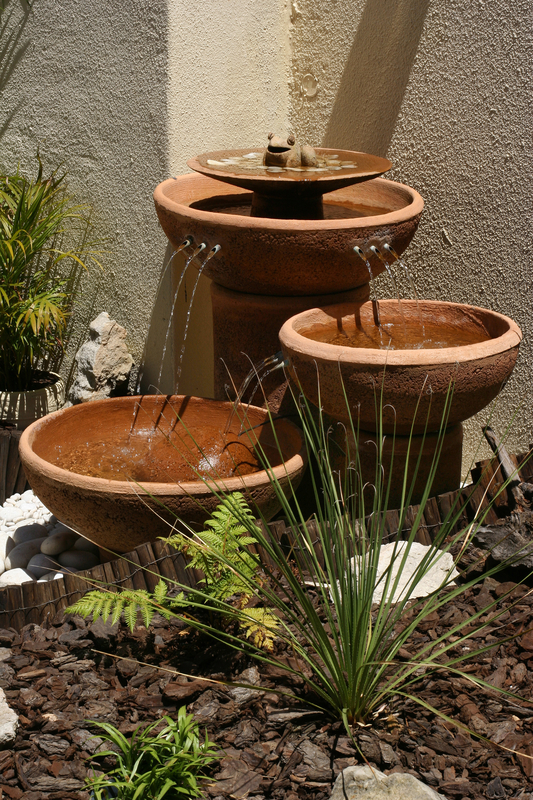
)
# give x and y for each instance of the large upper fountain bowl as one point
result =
(478, 356)
(288, 257)
(122, 471)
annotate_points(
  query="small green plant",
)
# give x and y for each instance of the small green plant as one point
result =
(169, 763)
(35, 294)
(221, 553)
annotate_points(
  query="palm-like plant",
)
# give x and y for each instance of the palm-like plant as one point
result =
(35, 295)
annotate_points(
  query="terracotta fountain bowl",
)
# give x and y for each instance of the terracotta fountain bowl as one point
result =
(123, 471)
(478, 353)
(285, 256)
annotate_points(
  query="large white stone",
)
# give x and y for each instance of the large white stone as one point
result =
(8, 723)
(15, 576)
(440, 567)
(104, 363)
(25, 533)
(21, 554)
(11, 514)
(364, 783)
(58, 542)
(50, 576)
(78, 559)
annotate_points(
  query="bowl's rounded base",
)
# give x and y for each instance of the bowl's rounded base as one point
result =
(409, 458)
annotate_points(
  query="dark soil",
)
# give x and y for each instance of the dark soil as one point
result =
(57, 681)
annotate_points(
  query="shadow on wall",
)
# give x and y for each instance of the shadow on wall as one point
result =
(376, 74)
(13, 20)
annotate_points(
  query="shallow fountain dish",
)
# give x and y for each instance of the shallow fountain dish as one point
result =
(70, 456)
(289, 257)
(410, 376)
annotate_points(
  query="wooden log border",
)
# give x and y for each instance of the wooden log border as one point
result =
(142, 568)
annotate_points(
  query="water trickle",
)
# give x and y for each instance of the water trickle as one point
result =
(186, 243)
(393, 279)
(410, 280)
(214, 250)
(266, 365)
(373, 294)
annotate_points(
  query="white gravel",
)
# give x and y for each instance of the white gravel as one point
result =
(27, 525)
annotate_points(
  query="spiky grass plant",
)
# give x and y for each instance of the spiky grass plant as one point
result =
(35, 292)
(152, 765)
(330, 632)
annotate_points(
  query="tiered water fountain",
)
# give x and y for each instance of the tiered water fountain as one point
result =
(301, 226)
(280, 230)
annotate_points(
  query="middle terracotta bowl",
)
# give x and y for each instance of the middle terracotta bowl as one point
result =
(476, 353)
(122, 472)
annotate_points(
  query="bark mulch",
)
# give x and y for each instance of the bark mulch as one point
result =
(57, 682)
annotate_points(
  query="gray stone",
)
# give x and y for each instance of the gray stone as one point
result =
(59, 541)
(78, 559)
(8, 723)
(41, 564)
(21, 554)
(104, 363)
(26, 533)
(364, 783)
(85, 544)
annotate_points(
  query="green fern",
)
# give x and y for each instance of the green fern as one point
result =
(230, 572)
(224, 542)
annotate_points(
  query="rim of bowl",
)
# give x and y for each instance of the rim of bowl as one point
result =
(293, 341)
(218, 218)
(289, 467)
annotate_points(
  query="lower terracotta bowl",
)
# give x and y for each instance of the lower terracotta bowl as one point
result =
(123, 471)
(477, 352)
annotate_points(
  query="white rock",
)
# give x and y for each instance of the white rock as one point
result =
(15, 576)
(29, 496)
(439, 568)
(77, 559)
(365, 783)
(6, 544)
(21, 554)
(5, 653)
(8, 722)
(25, 533)
(41, 564)
(85, 544)
(50, 576)
(11, 514)
(56, 543)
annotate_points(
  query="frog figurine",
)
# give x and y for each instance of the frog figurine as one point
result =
(286, 153)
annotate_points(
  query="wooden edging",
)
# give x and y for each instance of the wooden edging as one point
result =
(32, 602)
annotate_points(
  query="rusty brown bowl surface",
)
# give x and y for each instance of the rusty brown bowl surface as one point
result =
(155, 446)
(297, 184)
(287, 257)
(415, 382)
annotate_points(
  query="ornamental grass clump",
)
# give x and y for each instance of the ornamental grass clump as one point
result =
(321, 592)
(37, 221)
(154, 764)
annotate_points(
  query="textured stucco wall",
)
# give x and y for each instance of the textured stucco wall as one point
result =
(123, 94)
(89, 91)
(228, 78)
(444, 91)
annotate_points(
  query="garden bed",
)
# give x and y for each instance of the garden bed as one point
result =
(56, 680)
(63, 673)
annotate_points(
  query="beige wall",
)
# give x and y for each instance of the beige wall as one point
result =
(122, 94)
(445, 91)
